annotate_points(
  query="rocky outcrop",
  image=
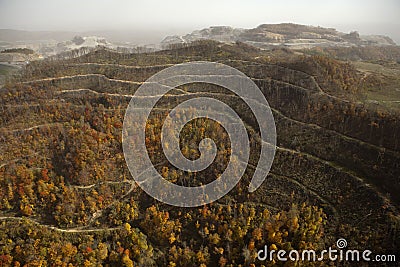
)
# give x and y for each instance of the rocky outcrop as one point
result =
(285, 34)
(217, 33)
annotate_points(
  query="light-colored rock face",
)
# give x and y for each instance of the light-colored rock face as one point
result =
(286, 34)
(79, 42)
(378, 39)
(46, 48)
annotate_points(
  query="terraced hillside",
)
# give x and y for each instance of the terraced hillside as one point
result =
(67, 195)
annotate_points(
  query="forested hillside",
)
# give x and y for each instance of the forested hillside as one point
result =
(67, 197)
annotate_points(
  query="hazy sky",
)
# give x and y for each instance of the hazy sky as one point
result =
(367, 16)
